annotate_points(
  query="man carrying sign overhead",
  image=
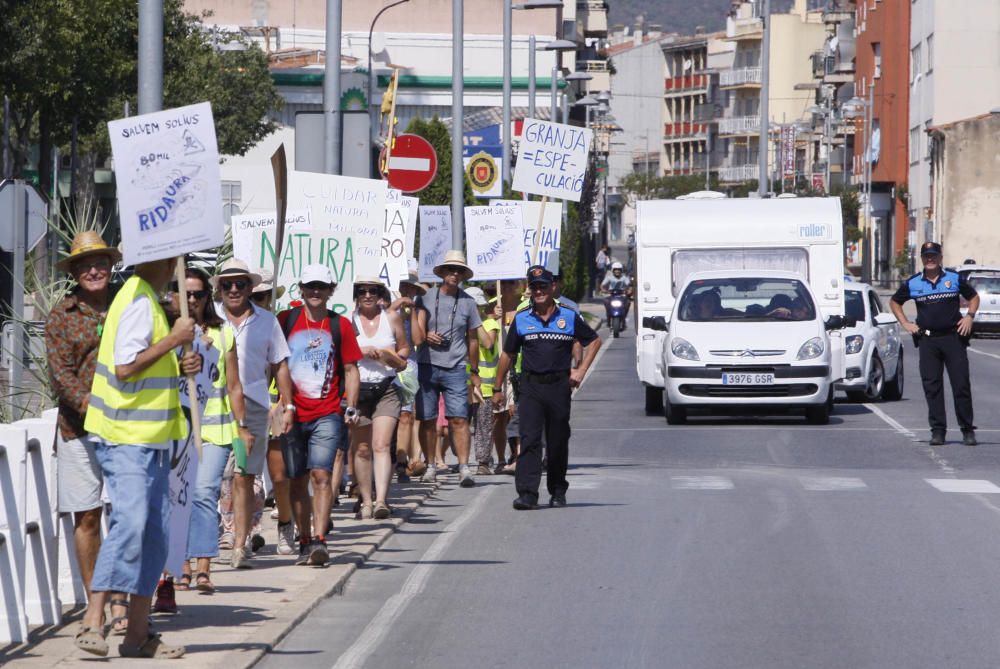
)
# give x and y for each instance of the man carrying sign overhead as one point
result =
(135, 412)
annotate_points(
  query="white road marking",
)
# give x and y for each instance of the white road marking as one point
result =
(928, 450)
(831, 483)
(605, 345)
(700, 483)
(978, 486)
(738, 427)
(981, 352)
(412, 164)
(583, 483)
(382, 623)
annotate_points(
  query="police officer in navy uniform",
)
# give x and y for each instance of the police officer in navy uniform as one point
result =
(942, 335)
(544, 334)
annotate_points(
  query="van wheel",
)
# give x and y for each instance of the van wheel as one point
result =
(674, 414)
(893, 390)
(654, 401)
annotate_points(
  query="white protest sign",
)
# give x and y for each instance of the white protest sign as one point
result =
(435, 239)
(394, 258)
(494, 237)
(410, 204)
(552, 159)
(333, 248)
(352, 208)
(254, 236)
(167, 174)
(551, 227)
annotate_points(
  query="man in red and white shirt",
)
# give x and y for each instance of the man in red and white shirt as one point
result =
(323, 366)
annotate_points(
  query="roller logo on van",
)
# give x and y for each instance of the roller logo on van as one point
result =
(815, 231)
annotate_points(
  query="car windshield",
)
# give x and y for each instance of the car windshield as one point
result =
(985, 284)
(854, 304)
(746, 299)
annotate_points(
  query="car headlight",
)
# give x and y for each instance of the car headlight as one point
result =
(811, 349)
(682, 348)
(854, 343)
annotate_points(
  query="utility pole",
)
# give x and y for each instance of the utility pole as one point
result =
(331, 89)
(457, 95)
(150, 56)
(508, 37)
(531, 76)
(765, 91)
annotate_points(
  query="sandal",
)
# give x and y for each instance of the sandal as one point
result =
(203, 583)
(91, 640)
(183, 583)
(153, 648)
(365, 512)
(381, 511)
(119, 624)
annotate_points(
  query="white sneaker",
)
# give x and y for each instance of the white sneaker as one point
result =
(274, 513)
(465, 477)
(430, 476)
(286, 538)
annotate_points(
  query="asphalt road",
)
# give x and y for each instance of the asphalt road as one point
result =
(731, 542)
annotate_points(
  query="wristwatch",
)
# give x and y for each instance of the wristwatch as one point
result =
(474, 370)
(242, 423)
(290, 407)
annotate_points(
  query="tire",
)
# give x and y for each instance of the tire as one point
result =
(820, 414)
(893, 391)
(674, 414)
(654, 401)
(874, 384)
(616, 326)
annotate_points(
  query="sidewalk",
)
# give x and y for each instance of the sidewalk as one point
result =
(253, 609)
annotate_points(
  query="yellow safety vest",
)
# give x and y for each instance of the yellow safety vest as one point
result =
(488, 359)
(217, 423)
(145, 408)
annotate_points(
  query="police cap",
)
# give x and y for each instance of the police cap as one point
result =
(930, 249)
(538, 274)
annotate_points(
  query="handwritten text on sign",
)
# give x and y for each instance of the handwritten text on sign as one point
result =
(394, 258)
(167, 171)
(254, 237)
(494, 238)
(552, 159)
(551, 227)
(435, 239)
(336, 250)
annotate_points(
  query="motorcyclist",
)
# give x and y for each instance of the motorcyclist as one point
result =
(616, 282)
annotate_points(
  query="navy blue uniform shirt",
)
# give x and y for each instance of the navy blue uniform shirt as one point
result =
(937, 301)
(547, 346)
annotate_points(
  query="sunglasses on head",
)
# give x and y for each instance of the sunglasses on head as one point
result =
(228, 284)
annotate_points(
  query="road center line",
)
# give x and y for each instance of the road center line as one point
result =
(382, 623)
(605, 345)
(941, 463)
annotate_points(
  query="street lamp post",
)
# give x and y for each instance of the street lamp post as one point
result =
(150, 56)
(457, 108)
(371, 73)
(331, 89)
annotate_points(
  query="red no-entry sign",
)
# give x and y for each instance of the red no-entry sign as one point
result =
(412, 164)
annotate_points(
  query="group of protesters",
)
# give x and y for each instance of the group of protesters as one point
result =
(322, 403)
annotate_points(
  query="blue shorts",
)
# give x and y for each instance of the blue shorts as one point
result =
(312, 445)
(453, 383)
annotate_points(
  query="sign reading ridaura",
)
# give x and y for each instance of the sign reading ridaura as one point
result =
(552, 159)
(435, 239)
(347, 217)
(494, 237)
(551, 227)
(169, 192)
(254, 236)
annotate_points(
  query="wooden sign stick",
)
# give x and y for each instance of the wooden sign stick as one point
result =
(538, 231)
(191, 385)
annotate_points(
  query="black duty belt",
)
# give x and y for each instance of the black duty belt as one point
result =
(553, 377)
(927, 332)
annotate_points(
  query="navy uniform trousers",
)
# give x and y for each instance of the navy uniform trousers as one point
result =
(544, 415)
(937, 354)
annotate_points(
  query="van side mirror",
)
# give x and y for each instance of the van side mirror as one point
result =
(658, 323)
(838, 323)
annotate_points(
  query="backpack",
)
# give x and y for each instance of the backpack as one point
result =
(293, 317)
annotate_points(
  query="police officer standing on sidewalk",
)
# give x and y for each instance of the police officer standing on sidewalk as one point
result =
(942, 335)
(544, 334)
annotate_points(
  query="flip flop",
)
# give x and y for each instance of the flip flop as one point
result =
(91, 640)
(152, 648)
(203, 583)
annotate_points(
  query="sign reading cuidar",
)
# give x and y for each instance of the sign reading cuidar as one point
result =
(169, 189)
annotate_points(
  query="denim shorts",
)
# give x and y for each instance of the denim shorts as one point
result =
(134, 551)
(435, 381)
(312, 445)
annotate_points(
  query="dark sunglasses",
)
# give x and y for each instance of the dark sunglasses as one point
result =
(240, 284)
(369, 290)
(315, 285)
(451, 269)
(261, 297)
(198, 294)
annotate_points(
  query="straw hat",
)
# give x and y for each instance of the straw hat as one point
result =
(413, 277)
(454, 258)
(267, 283)
(370, 281)
(86, 244)
(235, 267)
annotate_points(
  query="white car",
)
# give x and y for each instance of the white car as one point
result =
(748, 341)
(873, 348)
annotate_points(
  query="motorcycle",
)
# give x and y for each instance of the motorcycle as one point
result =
(616, 307)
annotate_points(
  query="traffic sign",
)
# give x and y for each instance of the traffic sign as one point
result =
(412, 164)
(34, 208)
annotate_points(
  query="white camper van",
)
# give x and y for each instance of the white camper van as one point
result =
(677, 238)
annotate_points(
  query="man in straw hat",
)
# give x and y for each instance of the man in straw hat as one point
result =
(134, 409)
(449, 317)
(72, 337)
(261, 349)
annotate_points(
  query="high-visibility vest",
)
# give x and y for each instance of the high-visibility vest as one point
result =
(217, 423)
(488, 359)
(144, 408)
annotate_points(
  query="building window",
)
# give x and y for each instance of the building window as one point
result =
(914, 145)
(930, 53)
(877, 52)
(916, 63)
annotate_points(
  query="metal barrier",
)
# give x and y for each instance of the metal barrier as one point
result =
(13, 456)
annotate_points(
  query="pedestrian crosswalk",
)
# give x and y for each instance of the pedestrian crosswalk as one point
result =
(833, 484)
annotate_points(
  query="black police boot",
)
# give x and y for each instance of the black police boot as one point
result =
(969, 438)
(525, 503)
(558, 499)
(937, 438)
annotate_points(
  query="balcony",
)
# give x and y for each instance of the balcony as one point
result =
(738, 173)
(744, 28)
(740, 125)
(592, 17)
(685, 130)
(743, 76)
(598, 69)
(694, 83)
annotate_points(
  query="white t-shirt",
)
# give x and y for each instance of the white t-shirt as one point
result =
(260, 343)
(373, 371)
